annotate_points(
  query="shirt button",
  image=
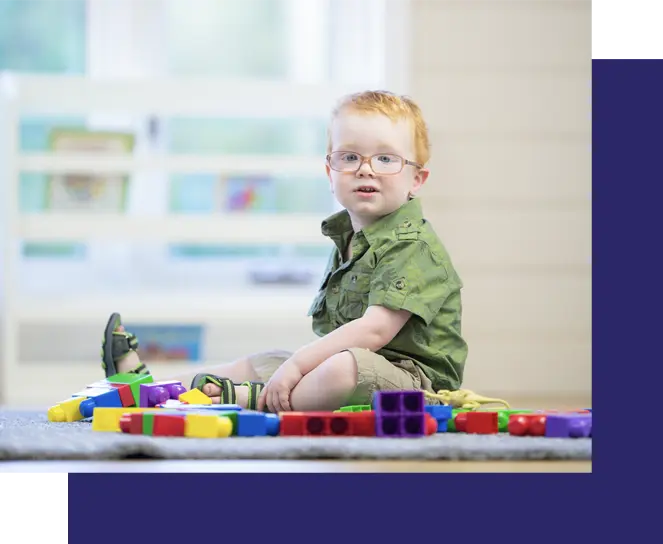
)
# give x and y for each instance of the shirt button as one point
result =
(400, 284)
(407, 224)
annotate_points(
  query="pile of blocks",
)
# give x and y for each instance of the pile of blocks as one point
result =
(136, 404)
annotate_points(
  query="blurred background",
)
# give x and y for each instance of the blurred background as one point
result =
(165, 159)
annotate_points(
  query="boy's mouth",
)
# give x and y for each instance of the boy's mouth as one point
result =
(366, 189)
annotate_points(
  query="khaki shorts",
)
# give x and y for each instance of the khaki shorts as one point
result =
(374, 373)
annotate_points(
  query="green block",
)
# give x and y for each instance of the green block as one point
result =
(133, 380)
(451, 423)
(148, 423)
(233, 418)
(355, 408)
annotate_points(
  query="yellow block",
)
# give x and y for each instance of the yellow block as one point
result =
(204, 426)
(68, 410)
(108, 419)
(195, 396)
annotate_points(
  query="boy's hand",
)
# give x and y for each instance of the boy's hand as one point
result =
(276, 394)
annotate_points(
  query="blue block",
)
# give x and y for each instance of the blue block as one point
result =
(98, 398)
(273, 424)
(251, 424)
(439, 411)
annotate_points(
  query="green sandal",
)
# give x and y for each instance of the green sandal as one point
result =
(228, 394)
(116, 345)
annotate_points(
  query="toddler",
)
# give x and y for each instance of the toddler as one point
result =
(388, 310)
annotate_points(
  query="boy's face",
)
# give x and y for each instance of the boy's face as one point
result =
(374, 191)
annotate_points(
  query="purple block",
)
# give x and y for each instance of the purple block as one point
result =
(174, 388)
(568, 425)
(398, 402)
(400, 426)
(152, 394)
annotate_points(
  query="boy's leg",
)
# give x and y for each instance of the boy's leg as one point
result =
(351, 377)
(256, 367)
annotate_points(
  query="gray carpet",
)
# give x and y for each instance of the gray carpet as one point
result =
(29, 436)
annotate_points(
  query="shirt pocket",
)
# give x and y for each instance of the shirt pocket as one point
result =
(353, 300)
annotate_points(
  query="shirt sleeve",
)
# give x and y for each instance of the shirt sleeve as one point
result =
(409, 276)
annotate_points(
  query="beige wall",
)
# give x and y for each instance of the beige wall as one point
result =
(506, 89)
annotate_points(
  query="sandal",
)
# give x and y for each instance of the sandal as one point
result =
(228, 394)
(116, 345)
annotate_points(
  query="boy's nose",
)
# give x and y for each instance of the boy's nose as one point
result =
(365, 170)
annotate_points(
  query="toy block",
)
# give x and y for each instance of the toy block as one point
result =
(148, 423)
(251, 423)
(460, 421)
(273, 423)
(207, 426)
(232, 416)
(527, 424)
(169, 424)
(126, 396)
(174, 388)
(441, 414)
(68, 410)
(152, 394)
(174, 404)
(327, 424)
(482, 422)
(195, 396)
(108, 419)
(132, 423)
(451, 422)
(568, 425)
(98, 398)
(134, 381)
(355, 408)
(431, 424)
(399, 413)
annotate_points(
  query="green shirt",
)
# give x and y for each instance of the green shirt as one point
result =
(397, 262)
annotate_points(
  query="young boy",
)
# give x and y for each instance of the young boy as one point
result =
(388, 310)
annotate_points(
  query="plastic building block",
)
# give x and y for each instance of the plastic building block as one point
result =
(251, 424)
(273, 423)
(126, 396)
(431, 424)
(195, 396)
(460, 421)
(132, 423)
(355, 408)
(568, 425)
(98, 398)
(527, 424)
(442, 414)
(327, 424)
(481, 422)
(134, 381)
(108, 419)
(169, 425)
(207, 426)
(173, 404)
(399, 413)
(148, 423)
(68, 410)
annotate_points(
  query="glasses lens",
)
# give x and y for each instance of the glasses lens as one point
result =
(386, 164)
(345, 161)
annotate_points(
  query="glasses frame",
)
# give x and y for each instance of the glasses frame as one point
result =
(404, 162)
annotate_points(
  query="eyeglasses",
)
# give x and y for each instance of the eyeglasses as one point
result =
(381, 163)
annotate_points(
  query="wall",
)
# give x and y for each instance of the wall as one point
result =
(506, 89)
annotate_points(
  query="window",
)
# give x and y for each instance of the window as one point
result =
(302, 41)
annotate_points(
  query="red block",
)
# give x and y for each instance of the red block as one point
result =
(482, 423)
(126, 396)
(527, 424)
(431, 424)
(328, 424)
(167, 425)
(461, 422)
(132, 423)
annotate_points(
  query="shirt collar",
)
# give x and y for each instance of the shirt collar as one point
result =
(338, 226)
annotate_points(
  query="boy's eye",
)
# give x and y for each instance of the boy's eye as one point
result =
(348, 157)
(385, 158)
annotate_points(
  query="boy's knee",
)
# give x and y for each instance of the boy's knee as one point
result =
(341, 369)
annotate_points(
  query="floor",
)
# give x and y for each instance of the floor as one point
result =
(324, 465)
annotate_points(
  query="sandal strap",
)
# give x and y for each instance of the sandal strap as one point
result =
(123, 343)
(228, 394)
(255, 389)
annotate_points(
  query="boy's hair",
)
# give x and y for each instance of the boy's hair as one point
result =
(393, 106)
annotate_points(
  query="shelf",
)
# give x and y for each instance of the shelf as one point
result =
(172, 164)
(194, 229)
(169, 308)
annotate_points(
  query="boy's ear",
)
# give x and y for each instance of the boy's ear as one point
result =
(420, 179)
(328, 171)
